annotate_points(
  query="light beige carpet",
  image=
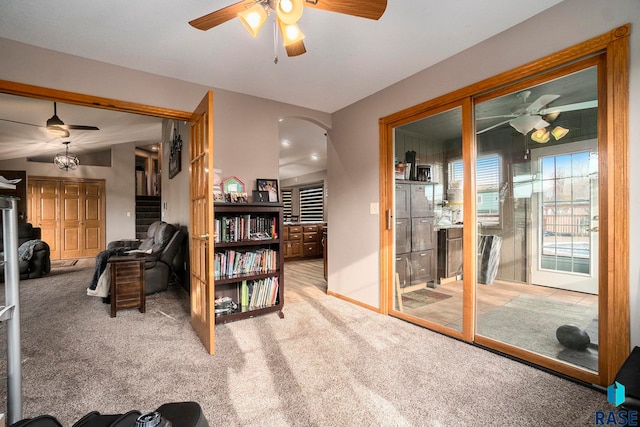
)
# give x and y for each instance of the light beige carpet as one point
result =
(327, 363)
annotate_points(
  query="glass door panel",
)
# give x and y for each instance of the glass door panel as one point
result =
(428, 219)
(537, 215)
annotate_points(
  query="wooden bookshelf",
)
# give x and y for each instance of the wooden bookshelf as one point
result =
(249, 260)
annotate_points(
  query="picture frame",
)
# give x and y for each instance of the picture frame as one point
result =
(271, 187)
(236, 197)
(260, 196)
(233, 185)
(175, 154)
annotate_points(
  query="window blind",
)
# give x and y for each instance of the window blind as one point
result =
(311, 204)
(286, 202)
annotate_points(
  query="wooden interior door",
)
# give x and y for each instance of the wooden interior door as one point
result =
(70, 215)
(92, 220)
(201, 222)
(44, 212)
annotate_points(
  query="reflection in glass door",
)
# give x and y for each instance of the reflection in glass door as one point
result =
(536, 271)
(428, 220)
(565, 216)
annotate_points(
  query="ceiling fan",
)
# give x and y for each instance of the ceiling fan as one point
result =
(254, 13)
(526, 116)
(55, 126)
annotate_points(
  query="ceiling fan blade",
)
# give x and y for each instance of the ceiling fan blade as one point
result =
(497, 117)
(541, 102)
(220, 16)
(21, 123)
(492, 127)
(570, 107)
(370, 9)
(296, 49)
(79, 127)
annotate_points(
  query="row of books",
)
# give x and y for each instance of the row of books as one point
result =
(245, 227)
(231, 263)
(258, 293)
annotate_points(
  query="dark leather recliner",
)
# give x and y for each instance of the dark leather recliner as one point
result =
(39, 263)
(159, 249)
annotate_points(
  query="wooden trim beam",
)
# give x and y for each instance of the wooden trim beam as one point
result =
(40, 92)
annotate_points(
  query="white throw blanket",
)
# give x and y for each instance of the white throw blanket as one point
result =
(104, 284)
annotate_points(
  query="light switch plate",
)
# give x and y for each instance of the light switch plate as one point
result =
(374, 208)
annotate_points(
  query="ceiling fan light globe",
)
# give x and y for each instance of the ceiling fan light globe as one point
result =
(540, 136)
(289, 11)
(559, 132)
(253, 18)
(290, 33)
(551, 116)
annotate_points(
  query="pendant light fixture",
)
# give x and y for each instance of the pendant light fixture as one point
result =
(66, 161)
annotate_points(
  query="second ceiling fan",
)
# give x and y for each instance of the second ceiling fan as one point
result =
(253, 14)
(55, 126)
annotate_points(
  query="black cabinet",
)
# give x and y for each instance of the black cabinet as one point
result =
(422, 234)
(403, 201)
(450, 251)
(416, 238)
(403, 235)
(422, 263)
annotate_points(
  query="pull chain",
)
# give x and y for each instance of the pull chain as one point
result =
(275, 41)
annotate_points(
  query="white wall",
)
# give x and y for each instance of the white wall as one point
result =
(353, 254)
(175, 191)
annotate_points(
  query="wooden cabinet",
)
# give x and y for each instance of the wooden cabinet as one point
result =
(249, 260)
(311, 236)
(416, 238)
(127, 283)
(302, 241)
(293, 241)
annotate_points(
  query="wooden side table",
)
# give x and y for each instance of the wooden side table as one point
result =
(127, 283)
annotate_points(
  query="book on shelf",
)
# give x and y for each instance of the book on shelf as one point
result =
(231, 263)
(259, 293)
(245, 227)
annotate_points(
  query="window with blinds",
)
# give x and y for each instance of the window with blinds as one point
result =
(487, 186)
(286, 202)
(312, 204)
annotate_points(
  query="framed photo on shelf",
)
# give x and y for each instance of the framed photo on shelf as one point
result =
(260, 196)
(271, 187)
(237, 197)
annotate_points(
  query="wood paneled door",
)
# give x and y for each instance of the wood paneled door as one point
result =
(201, 243)
(70, 214)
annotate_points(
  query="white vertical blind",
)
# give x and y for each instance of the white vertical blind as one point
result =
(312, 204)
(286, 202)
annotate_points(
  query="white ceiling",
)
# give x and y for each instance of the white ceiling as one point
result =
(347, 59)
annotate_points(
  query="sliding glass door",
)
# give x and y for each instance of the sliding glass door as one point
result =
(536, 216)
(429, 220)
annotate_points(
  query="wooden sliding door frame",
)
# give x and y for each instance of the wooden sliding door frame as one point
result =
(613, 72)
